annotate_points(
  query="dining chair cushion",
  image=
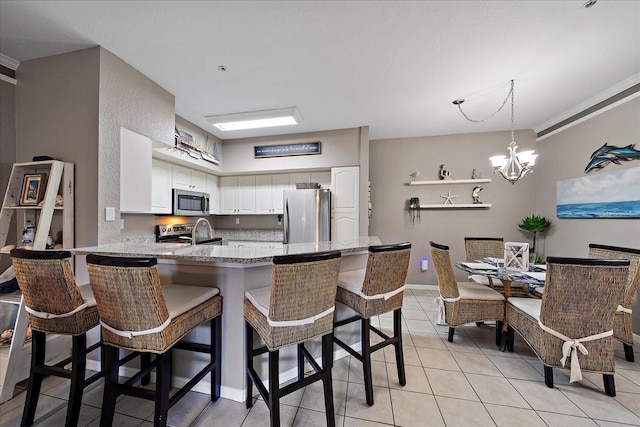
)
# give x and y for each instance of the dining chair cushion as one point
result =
(87, 295)
(471, 290)
(180, 299)
(530, 306)
(479, 278)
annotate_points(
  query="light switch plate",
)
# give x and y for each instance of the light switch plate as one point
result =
(110, 214)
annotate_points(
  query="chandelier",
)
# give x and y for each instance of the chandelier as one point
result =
(514, 165)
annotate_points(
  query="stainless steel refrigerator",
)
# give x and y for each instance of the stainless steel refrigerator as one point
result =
(307, 216)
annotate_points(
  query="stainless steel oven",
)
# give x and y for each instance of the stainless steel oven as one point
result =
(190, 203)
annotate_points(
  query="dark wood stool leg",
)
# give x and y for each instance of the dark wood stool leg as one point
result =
(249, 355)
(300, 356)
(274, 388)
(397, 333)
(499, 326)
(365, 339)
(78, 366)
(548, 376)
(451, 332)
(163, 387)
(110, 379)
(216, 341)
(628, 353)
(511, 338)
(609, 385)
(38, 350)
(145, 362)
(327, 364)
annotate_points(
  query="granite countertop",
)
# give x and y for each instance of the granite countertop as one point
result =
(242, 252)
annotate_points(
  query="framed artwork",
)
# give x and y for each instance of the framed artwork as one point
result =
(33, 188)
(301, 149)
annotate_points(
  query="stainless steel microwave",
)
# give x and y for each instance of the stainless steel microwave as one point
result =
(190, 203)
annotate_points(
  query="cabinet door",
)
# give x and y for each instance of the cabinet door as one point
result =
(345, 212)
(161, 186)
(344, 227)
(247, 194)
(198, 181)
(228, 190)
(135, 172)
(264, 202)
(279, 183)
(213, 189)
(181, 177)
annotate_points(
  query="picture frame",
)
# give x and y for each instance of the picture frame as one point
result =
(285, 150)
(33, 188)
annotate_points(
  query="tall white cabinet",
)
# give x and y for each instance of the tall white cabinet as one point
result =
(345, 210)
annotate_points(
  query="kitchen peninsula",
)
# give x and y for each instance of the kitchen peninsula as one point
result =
(233, 268)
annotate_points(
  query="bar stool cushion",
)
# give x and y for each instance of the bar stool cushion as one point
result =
(180, 299)
(87, 295)
(472, 290)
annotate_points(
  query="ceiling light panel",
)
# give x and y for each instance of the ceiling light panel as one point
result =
(256, 119)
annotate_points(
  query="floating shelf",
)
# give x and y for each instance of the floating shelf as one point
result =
(458, 206)
(451, 181)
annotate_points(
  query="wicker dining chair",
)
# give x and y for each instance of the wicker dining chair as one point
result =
(297, 307)
(460, 303)
(574, 315)
(138, 314)
(373, 291)
(55, 305)
(622, 321)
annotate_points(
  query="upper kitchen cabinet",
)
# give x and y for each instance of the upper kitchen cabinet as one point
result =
(345, 212)
(270, 193)
(213, 188)
(135, 172)
(161, 197)
(238, 194)
(189, 179)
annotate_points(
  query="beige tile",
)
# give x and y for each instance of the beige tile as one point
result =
(357, 406)
(259, 416)
(135, 407)
(420, 326)
(411, 304)
(408, 352)
(356, 422)
(428, 340)
(630, 374)
(415, 376)
(309, 418)
(450, 384)
(187, 409)
(438, 359)
(415, 409)
(560, 420)
(631, 401)
(542, 398)
(463, 413)
(599, 406)
(516, 368)
(475, 364)
(223, 413)
(512, 417)
(462, 344)
(16, 401)
(120, 420)
(496, 390)
(340, 370)
(88, 414)
(47, 406)
(378, 373)
(313, 397)
(414, 314)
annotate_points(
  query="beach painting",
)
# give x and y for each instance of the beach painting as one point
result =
(605, 195)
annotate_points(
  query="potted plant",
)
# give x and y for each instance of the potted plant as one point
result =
(414, 209)
(534, 224)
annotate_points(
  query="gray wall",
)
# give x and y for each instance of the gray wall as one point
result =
(7, 149)
(57, 115)
(564, 156)
(393, 160)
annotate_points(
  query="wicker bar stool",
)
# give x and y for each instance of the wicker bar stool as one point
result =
(56, 305)
(622, 321)
(373, 291)
(463, 302)
(297, 307)
(138, 314)
(574, 318)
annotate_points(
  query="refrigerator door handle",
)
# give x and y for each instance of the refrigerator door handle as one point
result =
(286, 221)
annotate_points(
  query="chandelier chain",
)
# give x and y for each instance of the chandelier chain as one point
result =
(510, 94)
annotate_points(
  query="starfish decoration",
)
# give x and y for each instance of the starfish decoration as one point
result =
(448, 197)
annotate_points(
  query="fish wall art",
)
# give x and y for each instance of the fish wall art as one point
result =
(607, 154)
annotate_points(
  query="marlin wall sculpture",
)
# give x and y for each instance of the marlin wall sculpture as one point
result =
(611, 154)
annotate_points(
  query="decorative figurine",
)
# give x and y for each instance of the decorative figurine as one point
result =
(475, 174)
(444, 174)
(475, 194)
(448, 198)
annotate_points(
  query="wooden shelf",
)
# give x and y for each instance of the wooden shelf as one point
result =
(458, 206)
(451, 181)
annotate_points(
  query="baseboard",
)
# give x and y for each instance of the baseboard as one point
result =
(421, 287)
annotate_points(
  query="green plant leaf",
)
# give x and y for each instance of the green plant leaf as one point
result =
(535, 224)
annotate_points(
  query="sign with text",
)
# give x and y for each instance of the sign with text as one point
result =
(301, 149)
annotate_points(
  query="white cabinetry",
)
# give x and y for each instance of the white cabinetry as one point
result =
(213, 188)
(161, 197)
(238, 194)
(189, 179)
(345, 183)
(270, 193)
(135, 172)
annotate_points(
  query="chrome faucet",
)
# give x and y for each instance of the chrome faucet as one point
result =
(195, 226)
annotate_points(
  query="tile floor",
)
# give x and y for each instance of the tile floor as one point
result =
(464, 383)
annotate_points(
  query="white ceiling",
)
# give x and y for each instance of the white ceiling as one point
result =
(395, 66)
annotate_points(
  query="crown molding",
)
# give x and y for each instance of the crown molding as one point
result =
(9, 62)
(602, 96)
